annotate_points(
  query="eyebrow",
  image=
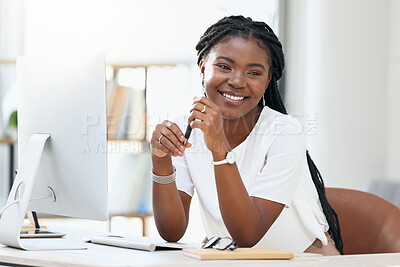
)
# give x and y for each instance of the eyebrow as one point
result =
(250, 64)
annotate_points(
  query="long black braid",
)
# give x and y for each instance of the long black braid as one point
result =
(239, 26)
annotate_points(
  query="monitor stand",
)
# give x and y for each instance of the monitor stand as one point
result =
(34, 230)
(13, 216)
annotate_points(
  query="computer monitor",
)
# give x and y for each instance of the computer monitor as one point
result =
(62, 140)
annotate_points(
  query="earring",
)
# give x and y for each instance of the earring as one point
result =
(263, 99)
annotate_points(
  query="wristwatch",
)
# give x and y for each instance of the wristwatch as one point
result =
(230, 159)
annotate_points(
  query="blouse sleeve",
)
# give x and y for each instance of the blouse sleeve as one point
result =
(183, 179)
(284, 164)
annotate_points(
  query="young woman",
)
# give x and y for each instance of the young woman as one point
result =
(246, 158)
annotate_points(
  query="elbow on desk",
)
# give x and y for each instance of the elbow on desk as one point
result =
(248, 238)
(171, 237)
(246, 243)
(171, 234)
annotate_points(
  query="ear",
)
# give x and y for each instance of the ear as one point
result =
(202, 67)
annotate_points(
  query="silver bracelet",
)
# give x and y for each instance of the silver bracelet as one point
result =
(164, 179)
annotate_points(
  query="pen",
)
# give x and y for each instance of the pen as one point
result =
(187, 134)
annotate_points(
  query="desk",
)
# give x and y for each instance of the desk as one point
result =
(98, 255)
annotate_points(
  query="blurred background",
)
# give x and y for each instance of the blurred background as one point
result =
(341, 82)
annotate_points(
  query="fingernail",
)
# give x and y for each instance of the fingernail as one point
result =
(182, 138)
(182, 148)
(180, 153)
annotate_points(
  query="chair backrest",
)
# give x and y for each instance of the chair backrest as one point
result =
(368, 223)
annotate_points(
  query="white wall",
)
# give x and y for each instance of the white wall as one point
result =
(134, 31)
(341, 67)
(393, 95)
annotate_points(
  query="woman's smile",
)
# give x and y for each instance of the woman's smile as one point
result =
(232, 98)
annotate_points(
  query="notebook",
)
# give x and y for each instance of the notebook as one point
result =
(238, 254)
(138, 242)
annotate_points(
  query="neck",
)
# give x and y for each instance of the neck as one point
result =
(237, 130)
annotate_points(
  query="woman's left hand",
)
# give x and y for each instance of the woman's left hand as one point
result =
(207, 116)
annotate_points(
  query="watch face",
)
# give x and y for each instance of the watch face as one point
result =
(231, 157)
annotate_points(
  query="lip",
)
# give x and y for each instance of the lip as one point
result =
(232, 101)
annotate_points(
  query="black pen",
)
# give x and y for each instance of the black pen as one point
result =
(187, 134)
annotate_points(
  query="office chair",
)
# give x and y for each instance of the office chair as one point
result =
(368, 223)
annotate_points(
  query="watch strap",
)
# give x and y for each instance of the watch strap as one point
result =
(230, 158)
(216, 163)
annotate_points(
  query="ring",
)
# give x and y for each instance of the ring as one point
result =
(159, 139)
(204, 109)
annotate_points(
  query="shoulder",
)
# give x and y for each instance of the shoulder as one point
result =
(281, 133)
(278, 123)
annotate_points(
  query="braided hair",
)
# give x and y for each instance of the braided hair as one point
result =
(239, 26)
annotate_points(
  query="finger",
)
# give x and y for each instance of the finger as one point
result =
(167, 145)
(156, 145)
(175, 129)
(197, 124)
(197, 115)
(170, 141)
(199, 107)
(163, 132)
(205, 100)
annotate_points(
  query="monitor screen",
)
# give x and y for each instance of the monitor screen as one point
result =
(65, 96)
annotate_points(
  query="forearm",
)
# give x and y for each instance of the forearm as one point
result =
(169, 211)
(241, 216)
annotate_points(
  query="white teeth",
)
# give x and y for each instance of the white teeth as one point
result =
(233, 97)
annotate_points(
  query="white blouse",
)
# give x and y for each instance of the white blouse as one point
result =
(272, 164)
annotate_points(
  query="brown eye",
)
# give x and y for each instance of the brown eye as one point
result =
(225, 67)
(255, 73)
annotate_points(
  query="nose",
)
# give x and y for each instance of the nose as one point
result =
(236, 80)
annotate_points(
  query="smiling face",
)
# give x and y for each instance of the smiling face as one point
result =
(236, 75)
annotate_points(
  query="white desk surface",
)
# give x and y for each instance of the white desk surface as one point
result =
(98, 255)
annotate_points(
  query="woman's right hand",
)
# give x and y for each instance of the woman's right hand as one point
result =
(167, 140)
